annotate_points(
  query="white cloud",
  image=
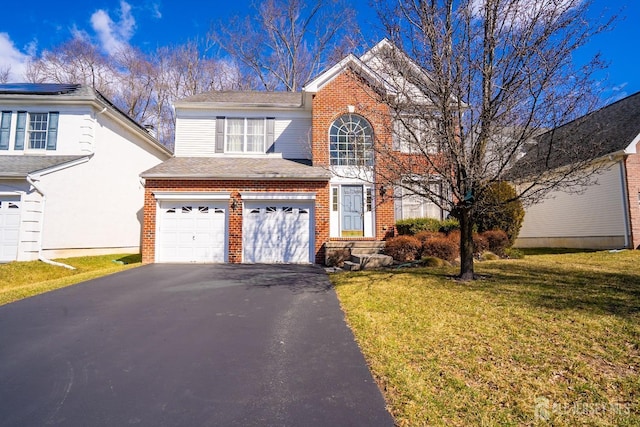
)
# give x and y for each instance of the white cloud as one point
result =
(114, 36)
(13, 59)
(155, 11)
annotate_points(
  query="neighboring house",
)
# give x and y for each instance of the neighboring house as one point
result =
(69, 173)
(276, 176)
(604, 215)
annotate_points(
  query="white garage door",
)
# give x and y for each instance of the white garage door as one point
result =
(9, 227)
(277, 232)
(192, 231)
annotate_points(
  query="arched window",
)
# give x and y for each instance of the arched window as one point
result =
(351, 141)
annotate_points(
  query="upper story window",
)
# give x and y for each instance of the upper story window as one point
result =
(416, 135)
(30, 130)
(351, 141)
(38, 125)
(244, 135)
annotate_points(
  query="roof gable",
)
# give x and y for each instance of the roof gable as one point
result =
(350, 62)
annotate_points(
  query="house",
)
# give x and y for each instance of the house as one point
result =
(69, 173)
(603, 215)
(262, 177)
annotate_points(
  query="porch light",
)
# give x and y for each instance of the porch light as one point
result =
(234, 204)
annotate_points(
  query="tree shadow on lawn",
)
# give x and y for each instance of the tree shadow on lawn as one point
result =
(564, 289)
(552, 288)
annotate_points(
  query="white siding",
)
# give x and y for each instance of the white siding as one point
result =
(293, 138)
(597, 212)
(196, 131)
(195, 135)
(98, 204)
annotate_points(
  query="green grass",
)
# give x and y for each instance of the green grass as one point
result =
(558, 330)
(20, 280)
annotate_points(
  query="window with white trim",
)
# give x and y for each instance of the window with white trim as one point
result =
(411, 205)
(245, 135)
(416, 135)
(351, 141)
(35, 130)
(38, 125)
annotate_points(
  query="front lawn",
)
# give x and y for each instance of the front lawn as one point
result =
(20, 280)
(547, 340)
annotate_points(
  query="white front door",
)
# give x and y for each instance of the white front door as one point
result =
(9, 227)
(192, 231)
(277, 232)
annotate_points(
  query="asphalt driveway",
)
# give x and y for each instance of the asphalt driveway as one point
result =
(186, 345)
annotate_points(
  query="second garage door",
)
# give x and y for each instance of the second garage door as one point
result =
(192, 232)
(277, 232)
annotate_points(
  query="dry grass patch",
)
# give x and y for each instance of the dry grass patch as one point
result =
(558, 333)
(20, 280)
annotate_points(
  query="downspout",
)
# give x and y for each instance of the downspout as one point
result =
(625, 203)
(40, 256)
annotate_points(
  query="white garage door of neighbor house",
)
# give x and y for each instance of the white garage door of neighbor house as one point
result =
(192, 231)
(277, 232)
(9, 227)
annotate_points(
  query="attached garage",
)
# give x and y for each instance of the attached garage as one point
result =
(9, 227)
(235, 209)
(192, 231)
(278, 232)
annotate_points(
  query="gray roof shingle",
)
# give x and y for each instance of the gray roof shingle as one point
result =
(236, 168)
(21, 166)
(257, 98)
(605, 131)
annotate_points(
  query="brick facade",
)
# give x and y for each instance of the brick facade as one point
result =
(321, 190)
(632, 166)
(344, 94)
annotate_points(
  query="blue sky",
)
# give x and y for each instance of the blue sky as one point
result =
(38, 25)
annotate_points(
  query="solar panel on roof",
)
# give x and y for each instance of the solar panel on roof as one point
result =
(37, 88)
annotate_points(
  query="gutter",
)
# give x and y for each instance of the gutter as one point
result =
(44, 201)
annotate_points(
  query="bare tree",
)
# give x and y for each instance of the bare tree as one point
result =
(5, 72)
(476, 81)
(75, 61)
(142, 85)
(283, 43)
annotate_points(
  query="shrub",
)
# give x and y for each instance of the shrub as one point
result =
(454, 236)
(498, 241)
(480, 244)
(431, 261)
(415, 225)
(423, 236)
(449, 225)
(440, 247)
(513, 253)
(489, 256)
(495, 214)
(403, 248)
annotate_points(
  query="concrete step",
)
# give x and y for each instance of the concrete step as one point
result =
(365, 251)
(371, 261)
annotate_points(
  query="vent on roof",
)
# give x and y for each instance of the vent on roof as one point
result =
(38, 88)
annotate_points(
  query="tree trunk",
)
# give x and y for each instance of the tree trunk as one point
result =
(466, 244)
